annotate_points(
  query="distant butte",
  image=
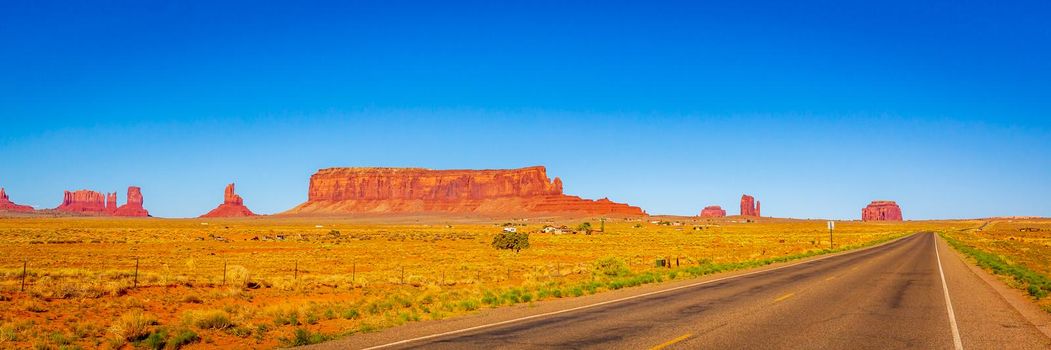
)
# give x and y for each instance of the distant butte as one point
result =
(7, 205)
(713, 211)
(233, 206)
(339, 191)
(750, 206)
(95, 203)
(881, 211)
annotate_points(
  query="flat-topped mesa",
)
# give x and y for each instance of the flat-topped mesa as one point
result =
(881, 211)
(95, 203)
(134, 205)
(233, 206)
(83, 201)
(337, 191)
(7, 205)
(713, 211)
(749, 206)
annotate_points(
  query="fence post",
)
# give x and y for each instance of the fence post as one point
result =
(295, 275)
(24, 264)
(353, 273)
(224, 272)
(136, 283)
(403, 275)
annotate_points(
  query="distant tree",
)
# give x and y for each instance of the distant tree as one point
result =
(511, 240)
(586, 227)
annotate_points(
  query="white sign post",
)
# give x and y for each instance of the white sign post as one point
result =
(831, 226)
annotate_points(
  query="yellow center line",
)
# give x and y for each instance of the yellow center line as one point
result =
(671, 342)
(783, 297)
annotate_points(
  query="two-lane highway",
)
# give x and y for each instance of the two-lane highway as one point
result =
(910, 293)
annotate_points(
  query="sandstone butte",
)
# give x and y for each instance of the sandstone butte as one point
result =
(233, 206)
(336, 191)
(881, 211)
(713, 211)
(91, 202)
(7, 205)
(750, 206)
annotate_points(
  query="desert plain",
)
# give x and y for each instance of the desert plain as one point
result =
(265, 282)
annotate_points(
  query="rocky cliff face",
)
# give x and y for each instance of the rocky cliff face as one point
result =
(134, 205)
(95, 203)
(881, 211)
(713, 211)
(233, 206)
(7, 205)
(749, 206)
(337, 191)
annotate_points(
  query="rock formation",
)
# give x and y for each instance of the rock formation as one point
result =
(134, 205)
(7, 205)
(881, 211)
(95, 203)
(233, 206)
(83, 201)
(713, 211)
(749, 206)
(337, 191)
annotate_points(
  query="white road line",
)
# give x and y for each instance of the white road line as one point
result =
(957, 344)
(464, 330)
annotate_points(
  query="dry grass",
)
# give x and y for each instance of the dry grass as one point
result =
(1019, 250)
(290, 281)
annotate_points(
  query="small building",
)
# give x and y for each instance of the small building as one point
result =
(510, 229)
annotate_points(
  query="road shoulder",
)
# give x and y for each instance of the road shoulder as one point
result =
(990, 313)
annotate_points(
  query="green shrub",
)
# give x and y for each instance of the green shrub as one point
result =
(511, 241)
(351, 314)
(584, 227)
(303, 337)
(181, 338)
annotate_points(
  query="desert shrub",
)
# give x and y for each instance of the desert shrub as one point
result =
(511, 240)
(181, 338)
(469, 305)
(210, 319)
(157, 340)
(132, 326)
(303, 337)
(611, 267)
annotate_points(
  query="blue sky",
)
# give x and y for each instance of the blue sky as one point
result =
(815, 107)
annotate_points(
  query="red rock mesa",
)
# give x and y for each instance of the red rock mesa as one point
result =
(91, 202)
(750, 207)
(713, 211)
(7, 205)
(336, 191)
(881, 211)
(233, 206)
(83, 201)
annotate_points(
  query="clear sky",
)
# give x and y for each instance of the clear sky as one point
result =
(814, 107)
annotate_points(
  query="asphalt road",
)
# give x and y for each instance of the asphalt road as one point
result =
(888, 297)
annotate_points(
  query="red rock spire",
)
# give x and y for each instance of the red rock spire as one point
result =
(233, 206)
